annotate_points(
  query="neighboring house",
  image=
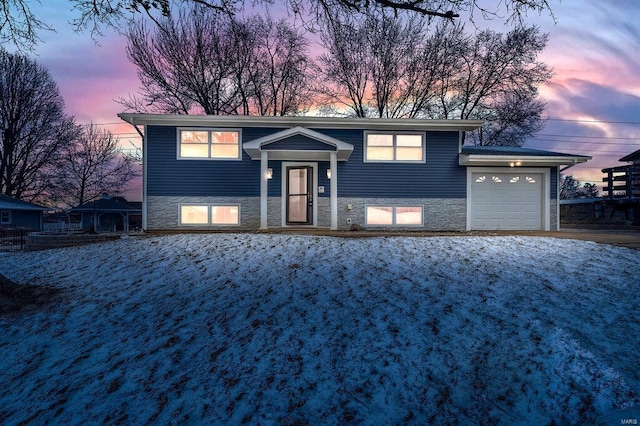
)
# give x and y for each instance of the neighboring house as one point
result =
(622, 187)
(17, 213)
(107, 214)
(243, 172)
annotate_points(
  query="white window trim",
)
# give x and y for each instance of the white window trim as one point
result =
(208, 130)
(393, 216)
(423, 135)
(209, 215)
(4, 222)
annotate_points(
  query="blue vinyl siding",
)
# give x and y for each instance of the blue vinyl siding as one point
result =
(25, 218)
(440, 177)
(299, 143)
(168, 176)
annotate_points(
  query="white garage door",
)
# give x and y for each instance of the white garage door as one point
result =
(511, 201)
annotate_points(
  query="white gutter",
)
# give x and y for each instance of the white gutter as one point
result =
(305, 121)
(519, 161)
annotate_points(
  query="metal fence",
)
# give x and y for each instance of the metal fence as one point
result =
(60, 227)
(12, 239)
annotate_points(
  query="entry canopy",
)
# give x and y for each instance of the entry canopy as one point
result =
(298, 143)
(511, 156)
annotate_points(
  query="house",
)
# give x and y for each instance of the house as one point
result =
(108, 214)
(15, 213)
(245, 172)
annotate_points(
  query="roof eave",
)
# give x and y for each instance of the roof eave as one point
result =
(294, 121)
(526, 160)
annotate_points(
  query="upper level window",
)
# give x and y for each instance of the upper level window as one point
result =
(209, 143)
(394, 147)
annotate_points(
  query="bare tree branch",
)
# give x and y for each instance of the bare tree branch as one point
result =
(33, 127)
(20, 27)
(203, 62)
(92, 165)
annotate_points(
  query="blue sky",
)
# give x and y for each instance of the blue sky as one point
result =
(593, 101)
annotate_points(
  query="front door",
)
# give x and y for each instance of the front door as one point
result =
(299, 195)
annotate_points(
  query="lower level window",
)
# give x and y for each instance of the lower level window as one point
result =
(393, 215)
(224, 215)
(207, 214)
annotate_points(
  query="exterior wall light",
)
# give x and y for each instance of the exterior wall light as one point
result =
(269, 173)
(329, 173)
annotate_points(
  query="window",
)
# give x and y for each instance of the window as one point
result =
(205, 214)
(379, 215)
(224, 215)
(394, 216)
(194, 215)
(403, 147)
(5, 217)
(209, 143)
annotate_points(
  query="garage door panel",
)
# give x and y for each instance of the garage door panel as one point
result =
(508, 201)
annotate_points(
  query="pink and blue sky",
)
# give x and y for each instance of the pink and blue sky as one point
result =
(593, 102)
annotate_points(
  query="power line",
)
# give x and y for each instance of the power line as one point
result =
(636, 123)
(556, 141)
(591, 137)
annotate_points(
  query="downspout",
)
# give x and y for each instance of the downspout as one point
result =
(566, 168)
(575, 161)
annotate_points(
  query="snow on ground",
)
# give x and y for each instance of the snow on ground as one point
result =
(289, 329)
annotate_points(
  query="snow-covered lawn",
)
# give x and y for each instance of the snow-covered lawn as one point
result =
(290, 329)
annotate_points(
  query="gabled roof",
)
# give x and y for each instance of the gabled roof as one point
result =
(516, 156)
(105, 205)
(634, 156)
(10, 203)
(304, 121)
(255, 147)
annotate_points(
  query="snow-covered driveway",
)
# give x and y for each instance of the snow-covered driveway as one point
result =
(284, 329)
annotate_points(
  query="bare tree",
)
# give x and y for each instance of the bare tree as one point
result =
(571, 188)
(346, 66)
(184, 64)
(498, 81)
(21, 27)
(387, 66)
(92, 165)
(33, 127)
(280, 71)
(204, 62)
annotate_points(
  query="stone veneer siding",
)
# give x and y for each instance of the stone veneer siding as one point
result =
(163, 213)
(553, 216)
(439, 214)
